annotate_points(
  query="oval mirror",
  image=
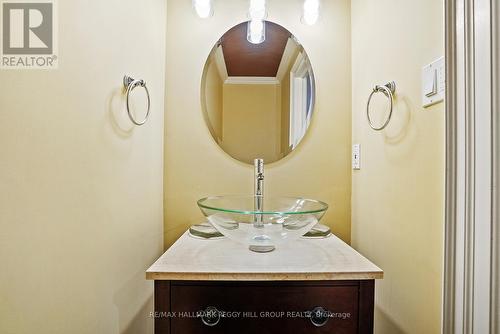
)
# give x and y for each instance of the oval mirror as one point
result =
(257, 92)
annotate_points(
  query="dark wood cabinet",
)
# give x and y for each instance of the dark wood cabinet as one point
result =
(316, 286)
(242, 307)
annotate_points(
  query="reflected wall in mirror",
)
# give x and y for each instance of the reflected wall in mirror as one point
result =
(258, 99)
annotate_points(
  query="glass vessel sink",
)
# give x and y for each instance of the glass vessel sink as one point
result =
(277, 219)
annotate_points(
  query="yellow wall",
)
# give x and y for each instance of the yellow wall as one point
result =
(252, 127)
(81, 190)
(197, 167)
(397, 196)
(212, 97)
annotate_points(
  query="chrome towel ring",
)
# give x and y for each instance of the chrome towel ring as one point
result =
(388, 89)
(129, 84)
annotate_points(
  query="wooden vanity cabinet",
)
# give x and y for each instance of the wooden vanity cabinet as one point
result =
(270, 307)
(317, 286)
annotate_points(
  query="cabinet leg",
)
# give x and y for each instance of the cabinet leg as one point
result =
(162, 307)
(366, 306)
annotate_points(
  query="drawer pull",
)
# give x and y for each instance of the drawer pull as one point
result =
(319, 316)
(211, 316)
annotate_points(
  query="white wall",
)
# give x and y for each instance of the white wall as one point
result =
(81, 190)
(398, 195)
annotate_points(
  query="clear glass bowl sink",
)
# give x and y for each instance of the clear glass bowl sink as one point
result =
(262, 223)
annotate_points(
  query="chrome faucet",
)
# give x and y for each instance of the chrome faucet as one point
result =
(258, 191)
(259, 177)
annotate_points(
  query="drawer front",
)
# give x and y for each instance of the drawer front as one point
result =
(264, 309)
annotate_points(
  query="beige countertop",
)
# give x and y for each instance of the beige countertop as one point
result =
(225, 260)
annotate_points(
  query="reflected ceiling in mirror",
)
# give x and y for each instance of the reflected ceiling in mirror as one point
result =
(258, 99)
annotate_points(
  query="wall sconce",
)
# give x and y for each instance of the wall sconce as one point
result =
(203, 8)
(257, 13)
(256, 31)
(311, 12)
(257, 10)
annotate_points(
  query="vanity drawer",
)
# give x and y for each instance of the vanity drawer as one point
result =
(267, 307)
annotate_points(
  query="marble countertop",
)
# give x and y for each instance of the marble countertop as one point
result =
(224, 260)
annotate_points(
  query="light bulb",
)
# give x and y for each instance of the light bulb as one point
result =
(203, 8)
(256, 31)
(257, 10)
(311, 6)
(311, 12)
(310, 18)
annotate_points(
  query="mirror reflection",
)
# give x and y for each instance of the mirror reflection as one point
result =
(257, 94)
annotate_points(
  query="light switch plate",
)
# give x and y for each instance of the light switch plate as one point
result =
(433, 82)
(356, 158)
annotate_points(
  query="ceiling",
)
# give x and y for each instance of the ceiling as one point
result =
(245, 59)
